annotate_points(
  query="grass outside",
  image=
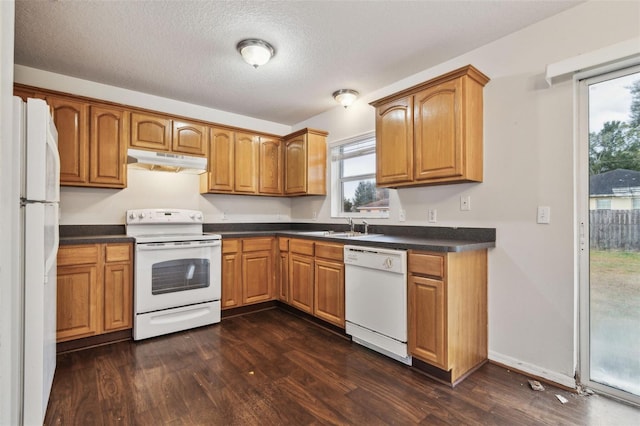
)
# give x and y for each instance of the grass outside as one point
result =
(615, 319)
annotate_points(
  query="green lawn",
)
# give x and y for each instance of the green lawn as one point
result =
(615, 319)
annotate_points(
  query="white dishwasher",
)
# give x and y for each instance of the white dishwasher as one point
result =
(376, 299)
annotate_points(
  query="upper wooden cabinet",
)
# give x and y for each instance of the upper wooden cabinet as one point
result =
(71, 118)
(246, 163)
(220, 174)
(92, 142)
(243, 163)
(270, 166)
(109, 130)
(305, 163)
(432, 133)
(162, 133)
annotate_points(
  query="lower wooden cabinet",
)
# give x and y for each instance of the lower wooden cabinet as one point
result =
(448, 311)
(315, 279)
(283, 270)
(301, 274)
(328, 296)
(248, 271)
(95, 290)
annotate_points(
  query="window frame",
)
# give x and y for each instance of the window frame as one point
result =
(336, 170)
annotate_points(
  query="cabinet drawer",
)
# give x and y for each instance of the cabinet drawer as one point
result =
(283, 244)
(78, 255)
(426, 264)
(230, 246)
(117, 253)
(301, 247)
(330, 251)
(256, 244)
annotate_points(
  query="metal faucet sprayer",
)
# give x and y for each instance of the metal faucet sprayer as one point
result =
(366, 226)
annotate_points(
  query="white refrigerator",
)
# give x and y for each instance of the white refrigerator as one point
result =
(39, 165)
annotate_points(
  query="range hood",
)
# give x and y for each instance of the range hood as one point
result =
(166, 162)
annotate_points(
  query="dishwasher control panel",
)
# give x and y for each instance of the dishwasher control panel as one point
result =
(376, 258)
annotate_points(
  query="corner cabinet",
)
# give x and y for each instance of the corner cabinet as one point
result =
(305, 163)
(94, 290)
(431, 133)
(448, 312)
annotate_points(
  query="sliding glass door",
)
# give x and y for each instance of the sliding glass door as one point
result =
(609, 181)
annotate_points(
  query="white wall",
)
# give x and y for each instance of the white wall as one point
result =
(10, 289)
(146, 189)
(529, 157)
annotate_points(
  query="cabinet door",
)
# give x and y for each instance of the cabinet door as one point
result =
(189, 138)
(71, 120)
(295, 165)
(328, 301)
(149, 131)
(118, 295)
(221, 161)
(394, 142)
(78, 310)
(439, 152)
(108, 147)
(283, 277)
(246, 163)
(301, 282)
(257, 275)
(270, 180)
(231, 275)
(428, 320)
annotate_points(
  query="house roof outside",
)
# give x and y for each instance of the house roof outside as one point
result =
(619, 182)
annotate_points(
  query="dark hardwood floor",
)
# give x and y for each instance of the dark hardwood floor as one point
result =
(272, 367)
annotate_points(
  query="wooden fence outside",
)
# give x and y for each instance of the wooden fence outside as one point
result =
(615, 230)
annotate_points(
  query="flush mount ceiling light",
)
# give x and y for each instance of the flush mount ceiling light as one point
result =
(255, 52)
(345, 97)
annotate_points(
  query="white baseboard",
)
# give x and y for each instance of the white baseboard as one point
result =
(535, 370)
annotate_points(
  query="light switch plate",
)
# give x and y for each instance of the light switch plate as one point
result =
(432, 215)
(544, 214)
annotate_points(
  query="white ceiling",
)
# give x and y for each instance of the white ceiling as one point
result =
(186, 50)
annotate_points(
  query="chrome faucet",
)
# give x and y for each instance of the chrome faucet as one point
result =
(366, 226)
(351, 224)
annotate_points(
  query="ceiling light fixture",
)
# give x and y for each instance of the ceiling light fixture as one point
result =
(255, 52)
(345, 97)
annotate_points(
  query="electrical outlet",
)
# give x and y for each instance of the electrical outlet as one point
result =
(432, 216)
(402, 215)
(465, 202)
(544, 214)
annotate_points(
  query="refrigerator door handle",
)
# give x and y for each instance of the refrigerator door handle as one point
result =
(53, 253)
(52, 146)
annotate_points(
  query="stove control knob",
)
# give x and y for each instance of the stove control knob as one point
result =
(141, 215)
(132, 215)
(198, 217)
(192, 215)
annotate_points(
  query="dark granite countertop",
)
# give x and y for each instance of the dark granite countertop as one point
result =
(438, 239)
(96, 239)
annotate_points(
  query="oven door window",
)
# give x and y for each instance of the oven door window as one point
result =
(179, 275)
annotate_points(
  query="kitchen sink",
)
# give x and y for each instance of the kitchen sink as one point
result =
(333, 234)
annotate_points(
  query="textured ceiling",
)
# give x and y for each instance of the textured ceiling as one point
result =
(185, 50)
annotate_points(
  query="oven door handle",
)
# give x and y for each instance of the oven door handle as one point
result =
(174, 246)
